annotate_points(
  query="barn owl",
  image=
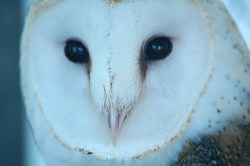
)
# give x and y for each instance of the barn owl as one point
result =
(132, 82)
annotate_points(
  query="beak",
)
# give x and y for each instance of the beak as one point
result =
(115, 119)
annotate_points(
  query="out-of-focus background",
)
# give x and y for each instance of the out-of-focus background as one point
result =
(13, 126)
(240, 11)
(11, 133)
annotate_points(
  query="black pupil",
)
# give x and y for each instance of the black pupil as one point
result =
(158, 48)
(76, 52)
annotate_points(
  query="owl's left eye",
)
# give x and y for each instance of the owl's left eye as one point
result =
(157, 48)
(76, 52)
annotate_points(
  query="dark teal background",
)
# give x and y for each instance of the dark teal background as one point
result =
(11, 112)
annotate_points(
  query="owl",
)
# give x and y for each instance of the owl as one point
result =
(136, 83)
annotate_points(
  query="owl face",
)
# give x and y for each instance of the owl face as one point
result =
(115, 80)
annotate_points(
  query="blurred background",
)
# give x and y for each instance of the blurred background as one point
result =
(14, 132)
(11, 133)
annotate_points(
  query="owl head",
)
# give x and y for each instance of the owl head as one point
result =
(122, 80)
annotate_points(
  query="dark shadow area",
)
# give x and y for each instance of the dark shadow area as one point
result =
(10, 97)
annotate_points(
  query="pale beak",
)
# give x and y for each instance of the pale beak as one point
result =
(115, 119)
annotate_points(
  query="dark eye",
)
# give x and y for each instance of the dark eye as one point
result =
(76, 52)
(157, 48)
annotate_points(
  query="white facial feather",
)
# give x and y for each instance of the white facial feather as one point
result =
(177, 98)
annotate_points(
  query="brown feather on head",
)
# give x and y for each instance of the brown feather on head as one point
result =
(114, 1)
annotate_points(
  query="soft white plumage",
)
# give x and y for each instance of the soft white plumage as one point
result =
(74, 109)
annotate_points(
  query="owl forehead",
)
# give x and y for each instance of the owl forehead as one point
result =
(39, 6)
(114, 2)
(107, 1)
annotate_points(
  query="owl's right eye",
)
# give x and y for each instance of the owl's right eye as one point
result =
(76, 52)
(157, 48)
